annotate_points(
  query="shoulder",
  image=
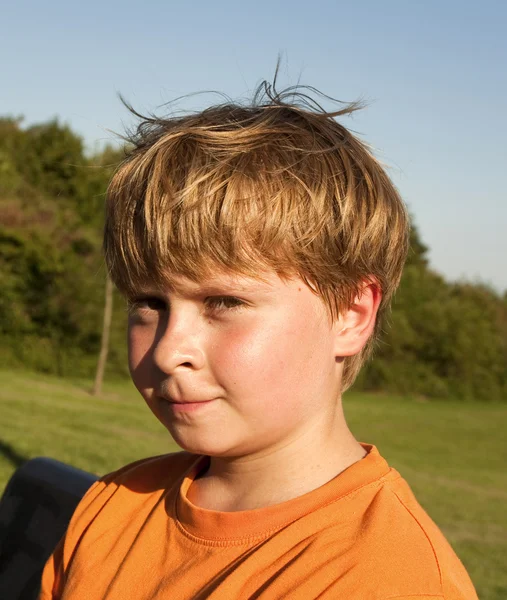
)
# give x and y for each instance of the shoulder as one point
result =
(408, 548)
(142, 477)
(112, 504)
(383, 540)
(151, 473)
(135, 488)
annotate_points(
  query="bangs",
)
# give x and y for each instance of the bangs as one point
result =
(212, 216)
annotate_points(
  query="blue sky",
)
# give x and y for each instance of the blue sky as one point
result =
(434, 74)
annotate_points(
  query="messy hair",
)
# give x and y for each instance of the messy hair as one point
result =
(277, 183)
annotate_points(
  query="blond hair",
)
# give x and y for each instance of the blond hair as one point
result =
(276, 184)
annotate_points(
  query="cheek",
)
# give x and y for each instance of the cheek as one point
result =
(269, 358)
(241, 357)
(139, 345)
(133, 344)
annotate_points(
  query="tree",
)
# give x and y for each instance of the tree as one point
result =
(106, 329)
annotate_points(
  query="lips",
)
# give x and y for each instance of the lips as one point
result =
(188, 400)
(189, 405)
(179, 395)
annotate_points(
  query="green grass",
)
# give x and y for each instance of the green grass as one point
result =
(454, 455)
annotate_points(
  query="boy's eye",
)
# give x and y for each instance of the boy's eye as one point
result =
(146, 304)
(222, 303)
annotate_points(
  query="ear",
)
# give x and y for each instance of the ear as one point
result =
(356, 324)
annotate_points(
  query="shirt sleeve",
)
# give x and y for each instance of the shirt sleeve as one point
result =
(52, 575)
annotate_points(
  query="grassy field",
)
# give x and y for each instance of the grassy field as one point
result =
(454, 455)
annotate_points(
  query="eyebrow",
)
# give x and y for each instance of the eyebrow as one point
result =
(212, 287)
(218, 287)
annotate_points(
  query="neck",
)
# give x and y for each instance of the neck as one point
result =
(282, 473)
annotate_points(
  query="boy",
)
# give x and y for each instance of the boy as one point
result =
(258, 247)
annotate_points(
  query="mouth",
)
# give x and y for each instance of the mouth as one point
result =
(189, 405)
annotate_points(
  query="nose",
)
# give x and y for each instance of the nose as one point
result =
(178, 344)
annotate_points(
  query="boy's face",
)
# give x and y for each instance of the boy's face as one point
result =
(235, 366)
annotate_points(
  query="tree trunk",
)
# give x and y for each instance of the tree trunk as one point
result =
(104, 347)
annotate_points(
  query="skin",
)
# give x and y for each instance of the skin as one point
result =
(248, 372)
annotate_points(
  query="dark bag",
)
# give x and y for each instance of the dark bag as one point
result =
(35, 511)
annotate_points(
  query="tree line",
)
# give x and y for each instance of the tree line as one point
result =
(443, 339)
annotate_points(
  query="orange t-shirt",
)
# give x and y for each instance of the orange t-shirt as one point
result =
(360, 536)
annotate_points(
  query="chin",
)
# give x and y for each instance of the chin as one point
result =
(206, 445)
